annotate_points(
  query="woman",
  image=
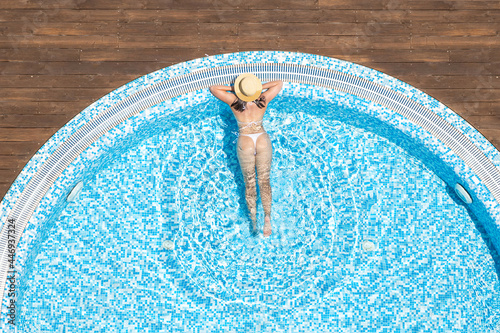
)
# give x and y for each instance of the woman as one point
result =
(254, 145)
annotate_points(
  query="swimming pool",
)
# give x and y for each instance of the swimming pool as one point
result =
(368, 232)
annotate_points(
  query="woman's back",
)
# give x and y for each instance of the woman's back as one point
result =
(250, 119)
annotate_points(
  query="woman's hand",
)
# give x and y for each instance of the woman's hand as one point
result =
(273, 88)
(222, 88)
(272, 84)
(221, 92)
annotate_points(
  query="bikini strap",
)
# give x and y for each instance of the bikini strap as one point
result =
(244, 125)
(252, 122)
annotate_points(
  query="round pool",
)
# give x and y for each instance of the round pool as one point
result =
(133, 218)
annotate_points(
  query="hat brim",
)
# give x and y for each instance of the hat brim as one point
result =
(238, 92)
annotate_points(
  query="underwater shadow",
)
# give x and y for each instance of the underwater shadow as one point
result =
(230, 128)
(480, 227)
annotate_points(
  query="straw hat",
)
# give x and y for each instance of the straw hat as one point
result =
(247, 87)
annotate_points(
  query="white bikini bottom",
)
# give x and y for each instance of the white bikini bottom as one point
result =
(254, 137)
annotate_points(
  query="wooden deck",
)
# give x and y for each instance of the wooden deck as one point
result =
(57, 59)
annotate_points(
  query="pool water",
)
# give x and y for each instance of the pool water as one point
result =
(365, 237)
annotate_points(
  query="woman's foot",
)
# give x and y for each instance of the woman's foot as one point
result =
(267, 226)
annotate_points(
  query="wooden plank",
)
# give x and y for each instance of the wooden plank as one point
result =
(65, 81)
(33, 120)
(219, 29)
(485, 122)
(282, 15)
(47, 94)
(18, 161)
(58, 5)
(465, 95)
(451, 82)
(26, 149)
(157, 4)
(476, 55)
(380, 55)
(180, 42)
(450, 4)
(323, 29)
(107, 28)
(436, 68)
(38, 54)
(455, 29)
(38, 17)
(455, 16)
(29, 41)
(409, 4)
(473, 108)
(35, 134)
(10, 174)
(51, 28)
(82, 68)
(189, 15)
(427, 16)
(346, 42)
(126, 41)
(57, 107)
(168, 55)
(160, 28)
(454, 42)
(146, 54)
(363, 4)
(4, 187)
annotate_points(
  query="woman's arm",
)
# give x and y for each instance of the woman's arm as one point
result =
(273, 88)
(221, 92)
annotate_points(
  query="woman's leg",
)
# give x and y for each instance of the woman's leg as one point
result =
(245, 149)
(263, 161)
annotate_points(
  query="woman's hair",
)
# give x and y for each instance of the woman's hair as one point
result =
(240, 105)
